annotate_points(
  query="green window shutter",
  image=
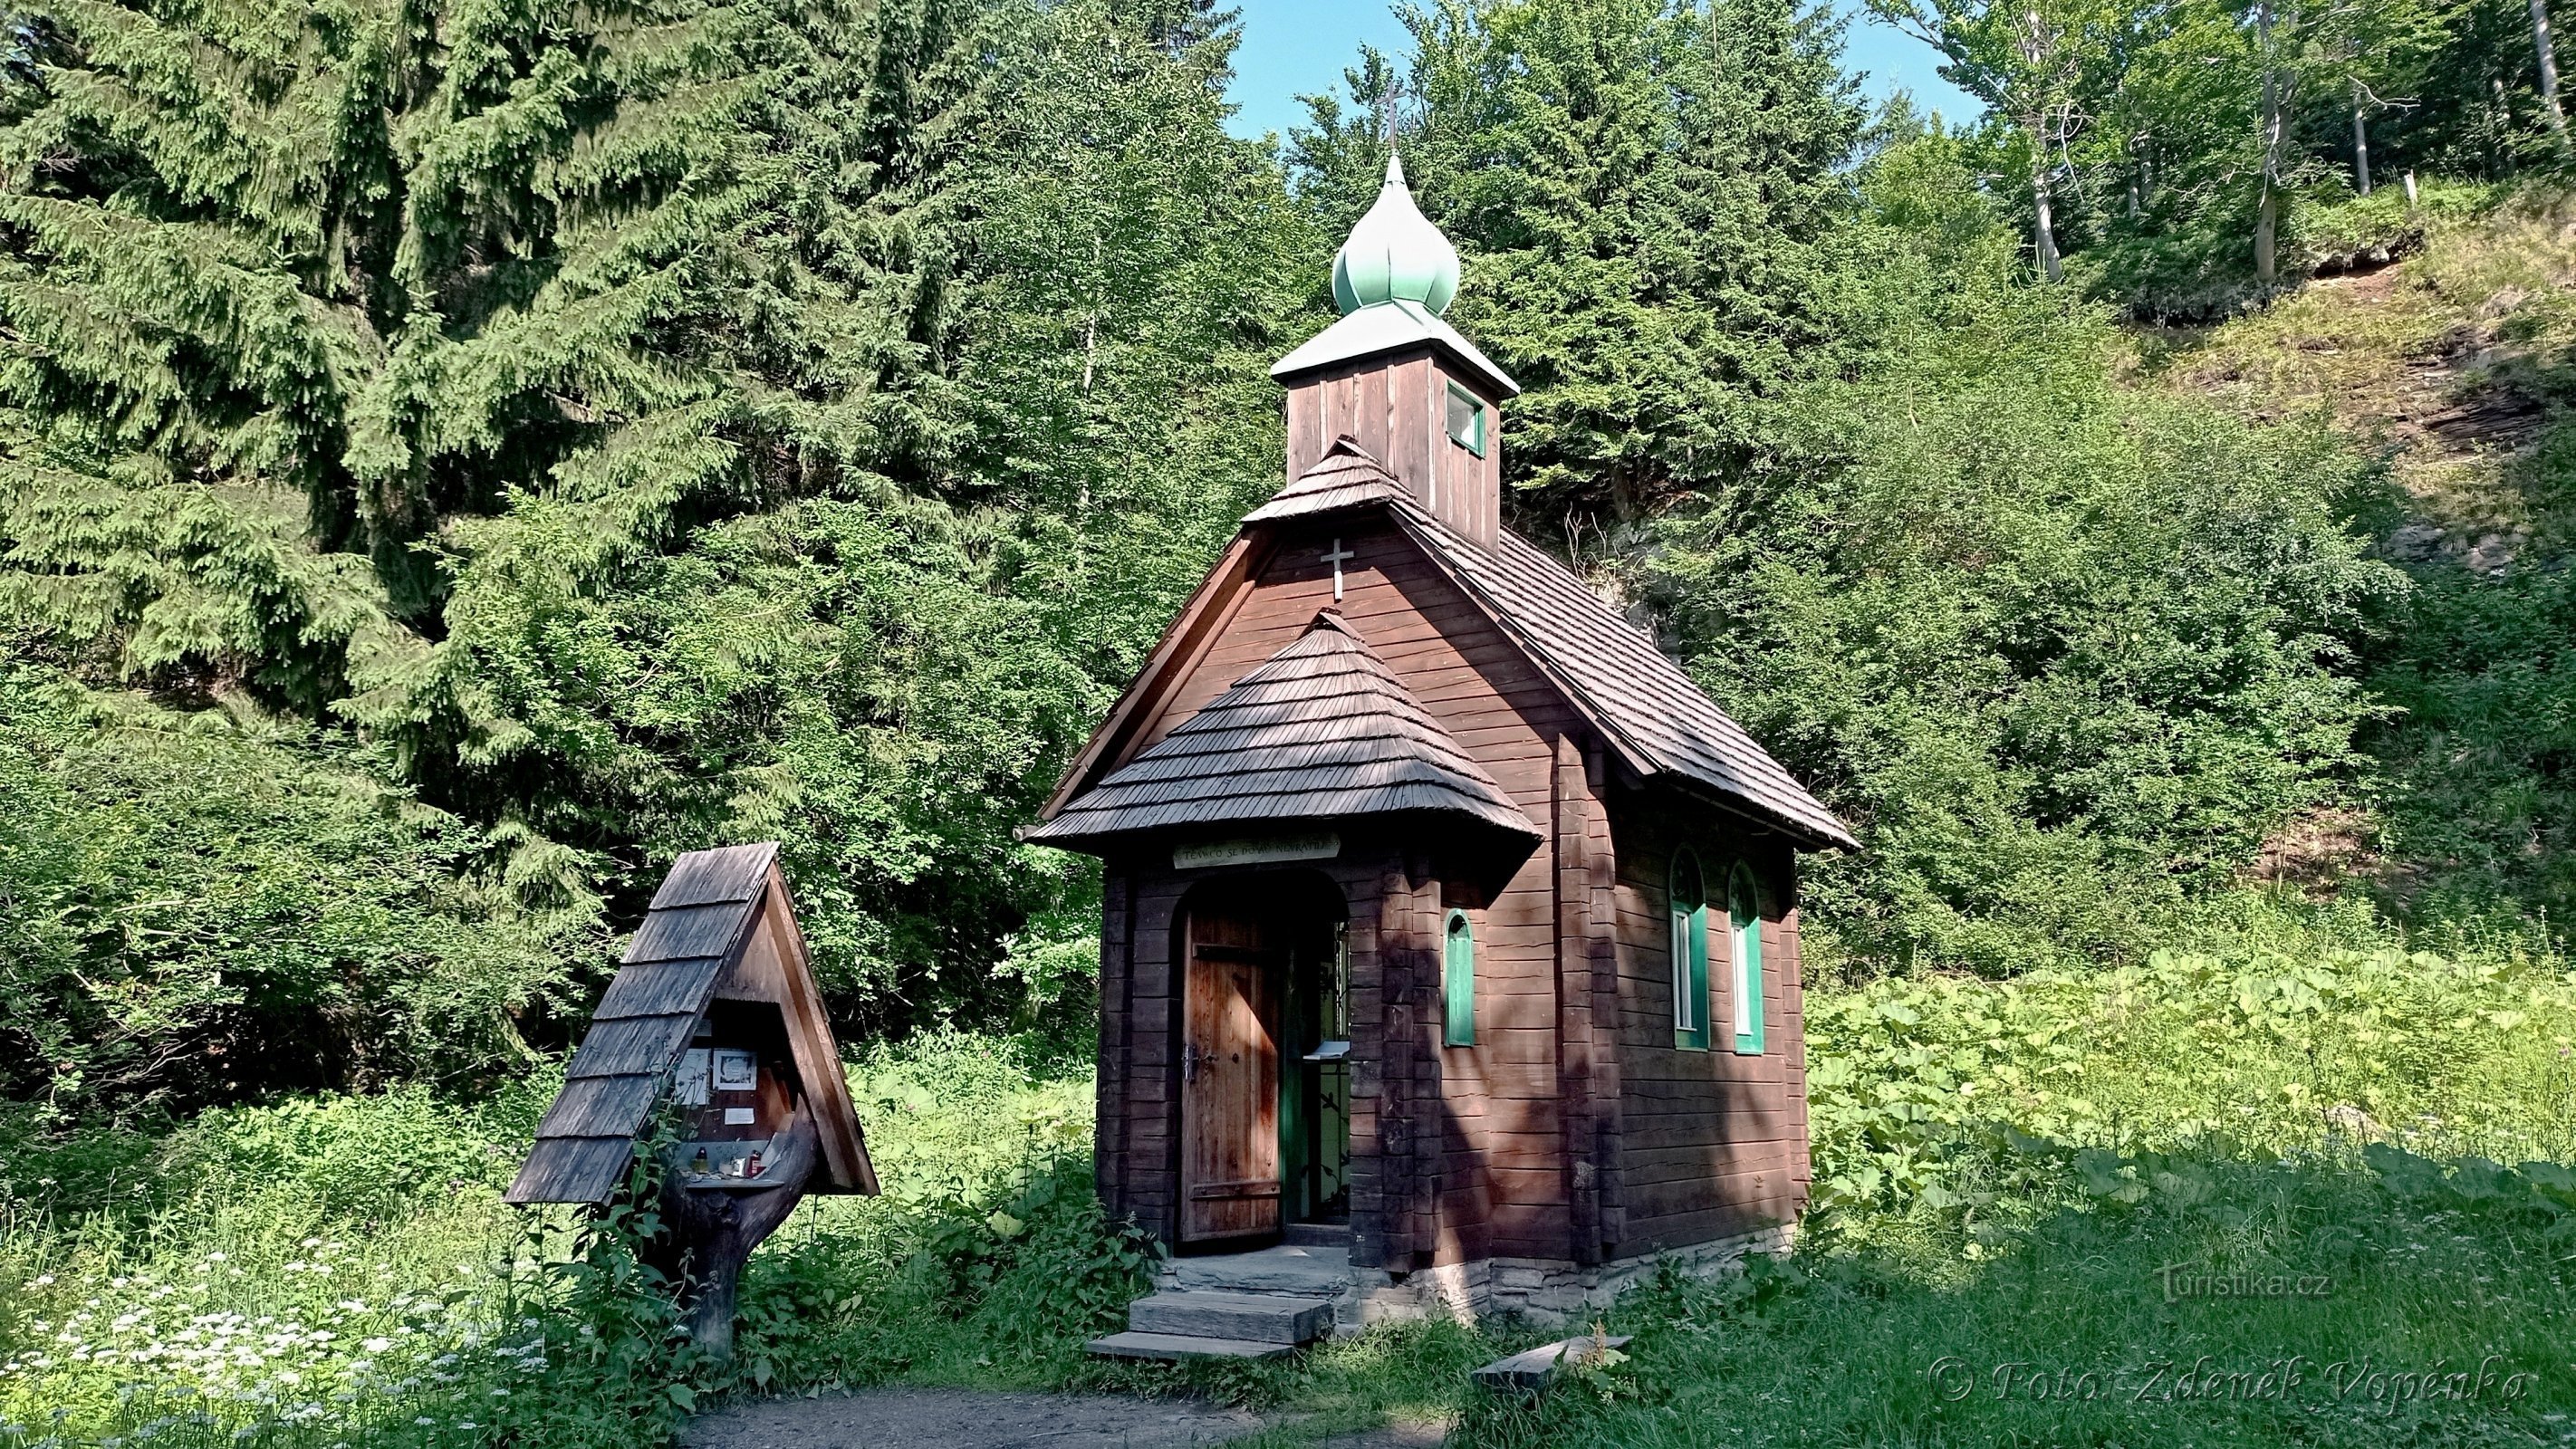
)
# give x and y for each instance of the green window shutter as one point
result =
(1458, 976)
(1466, 419)
(1689, 910)
(1744, 919)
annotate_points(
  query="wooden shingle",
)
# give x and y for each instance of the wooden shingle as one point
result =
(712, 877)
(631, 1046)
(1612, 671)
(573, 1169)
(1323, 731)
(685, 932)
(601, 1107)
(703, 918)
(661, 988)
(1344, 477)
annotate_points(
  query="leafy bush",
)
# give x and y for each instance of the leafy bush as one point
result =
(1921, 1085)
(341, 1268)
(2484, 816)
(2064, 652)
(2341, 231)
(200, 908)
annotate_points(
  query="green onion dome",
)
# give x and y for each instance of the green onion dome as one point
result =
(1395, 254)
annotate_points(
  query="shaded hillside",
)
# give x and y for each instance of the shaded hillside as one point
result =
(2457, 369)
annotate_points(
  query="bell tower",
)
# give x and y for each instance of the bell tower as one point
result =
(1394, 378)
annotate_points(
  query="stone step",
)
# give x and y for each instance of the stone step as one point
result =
(1304, 1272)
(1252, 1317)
(1317, 1235)
(1172, 1347)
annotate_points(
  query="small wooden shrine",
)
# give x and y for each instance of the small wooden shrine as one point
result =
(715, 1015)
(1445, 917)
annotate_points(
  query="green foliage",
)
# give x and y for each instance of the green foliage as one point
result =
(1643, 197)
(652, 426)
(200, 906)
(2066, 651)
(2161, 145)
(341, 1268)
(2375, 1310)
(2483, 673)
(2193, 271)
(2285, 1034)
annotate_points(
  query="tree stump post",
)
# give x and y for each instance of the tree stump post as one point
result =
(709, 1233)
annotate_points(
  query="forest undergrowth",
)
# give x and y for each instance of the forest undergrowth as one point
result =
(2365, 1146)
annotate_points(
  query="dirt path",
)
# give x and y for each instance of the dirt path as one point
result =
(968, 1419)
(905, 1418)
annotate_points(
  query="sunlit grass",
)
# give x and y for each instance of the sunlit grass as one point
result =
(280, 1292)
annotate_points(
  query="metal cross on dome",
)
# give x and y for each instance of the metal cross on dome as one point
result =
(1337, 558)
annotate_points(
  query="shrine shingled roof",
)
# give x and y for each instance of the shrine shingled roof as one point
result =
(693, 931)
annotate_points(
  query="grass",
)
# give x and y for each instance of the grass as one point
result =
(2454, 363)
(2012, 1173)
(2097, 1322)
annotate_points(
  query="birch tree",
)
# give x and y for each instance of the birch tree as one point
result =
(2280, 91)
(2548, 71)
(2035, 63)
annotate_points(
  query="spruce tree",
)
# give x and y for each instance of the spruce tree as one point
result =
(1641, 193)
(657, 425)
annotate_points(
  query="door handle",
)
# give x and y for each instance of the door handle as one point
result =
(1191, 1060)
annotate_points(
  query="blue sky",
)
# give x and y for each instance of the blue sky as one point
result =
(1293, 46)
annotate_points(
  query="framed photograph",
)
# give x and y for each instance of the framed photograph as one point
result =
(736, 1071)
(689, 1086)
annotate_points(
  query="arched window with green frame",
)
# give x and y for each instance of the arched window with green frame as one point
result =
(1458, 982)
(1689, 898)
(1744, 956)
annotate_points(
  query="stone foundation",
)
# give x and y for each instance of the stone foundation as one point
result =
(1542, 1291)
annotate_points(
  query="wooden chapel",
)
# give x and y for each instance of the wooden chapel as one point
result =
(1445, 916)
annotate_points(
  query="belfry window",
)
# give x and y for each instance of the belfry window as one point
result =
(1466, 420)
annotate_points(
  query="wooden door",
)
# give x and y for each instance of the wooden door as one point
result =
(1229, 1080)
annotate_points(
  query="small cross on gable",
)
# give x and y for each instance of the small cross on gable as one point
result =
(1337, 557)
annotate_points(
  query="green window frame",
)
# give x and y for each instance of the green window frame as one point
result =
(1458, 981)
(1744, 954)
(1688, 896)
(1466, 420)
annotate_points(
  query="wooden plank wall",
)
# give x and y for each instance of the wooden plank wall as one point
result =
(1464, 1147)
(1714, 1143)
(1385, 407)
(1466, 490)
(1111, 1163)
(1400, 413)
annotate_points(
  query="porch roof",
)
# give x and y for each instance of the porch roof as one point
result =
(1323, 731)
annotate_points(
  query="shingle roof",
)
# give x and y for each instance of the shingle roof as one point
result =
(698, 922)
(1323, 731)
(1344, 477)
(1616, 675)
